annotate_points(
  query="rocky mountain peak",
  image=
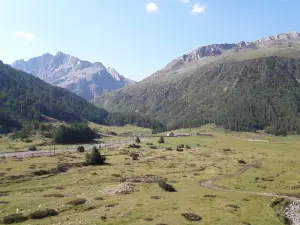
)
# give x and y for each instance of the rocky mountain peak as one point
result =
(283, 36)
(79, 76)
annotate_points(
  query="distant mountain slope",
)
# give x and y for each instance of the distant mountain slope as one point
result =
(24, 97)
(84, 78)
(245, 86)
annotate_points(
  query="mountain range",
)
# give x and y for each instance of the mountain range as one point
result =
(242, 86)
(83, 78)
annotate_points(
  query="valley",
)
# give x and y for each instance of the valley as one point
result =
(211, 138)
(222, 178)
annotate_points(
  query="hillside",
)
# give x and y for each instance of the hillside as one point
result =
(84, 78)
(24, 97)
(243, 87)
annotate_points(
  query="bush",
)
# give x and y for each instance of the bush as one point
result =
(241, 161)
(161, 140)
(79, 201)
(137, 140)
(80, 149)
(75, 133)
(187, 146)
(40, 214)
(112, 133)
(32, 148)
(62, 167)
(180, 146)
(133, 146)
(54, 196)
(191, 216)
(153, 147)
(95, 158)
(41, 172)
(167, 187)
(148, 143)
(169, 149)
(27, 140)
(14, 218)
(134, 155)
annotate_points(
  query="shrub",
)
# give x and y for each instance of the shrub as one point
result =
(155, 197)
(95, 158)
(41, 172)
(241, 161)
(134, 155)
(133, 146)
(27, 140)
(40, 214)
(14, 218)
(187, 146)
(137, 140)
(62, 167)
(169, 149)
(148, 143)
(153, 147)
(233, 206)
(79, 201)
(161, 140)
(167, 187)
(210, 196)
(80, 149)
(32, 148)
(116, 175)
(178, 149)
(112, 133)
(191, 216)
(54, 196)
(180, 146)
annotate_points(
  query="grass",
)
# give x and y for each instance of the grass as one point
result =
(184, 170)
(121, 129)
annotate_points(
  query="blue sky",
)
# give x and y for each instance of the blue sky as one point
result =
(136, 37)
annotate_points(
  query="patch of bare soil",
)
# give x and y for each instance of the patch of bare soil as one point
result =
(124, 188)
(146, 179)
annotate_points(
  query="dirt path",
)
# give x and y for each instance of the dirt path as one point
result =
(291, 211)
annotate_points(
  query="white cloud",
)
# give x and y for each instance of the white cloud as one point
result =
(151, 7)
(185, 1)
(27, 35)
(199, 8)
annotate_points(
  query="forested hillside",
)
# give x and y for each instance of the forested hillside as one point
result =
(241, 95)
(25, 97)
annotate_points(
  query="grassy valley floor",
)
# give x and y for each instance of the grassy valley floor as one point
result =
(209, 157)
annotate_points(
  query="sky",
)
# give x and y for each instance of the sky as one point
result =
(136, 37)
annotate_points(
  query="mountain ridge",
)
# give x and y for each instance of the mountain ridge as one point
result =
(219, 49)
(82, 77)
(221, 88)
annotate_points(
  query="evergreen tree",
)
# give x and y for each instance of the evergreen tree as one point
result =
(161, 140)
(137, 140)
(95, 158)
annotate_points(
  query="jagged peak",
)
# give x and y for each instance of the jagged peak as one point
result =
(99, 65)
(218, 49)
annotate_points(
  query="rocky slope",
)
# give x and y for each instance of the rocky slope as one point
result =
(244, 86)
(84, 78)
